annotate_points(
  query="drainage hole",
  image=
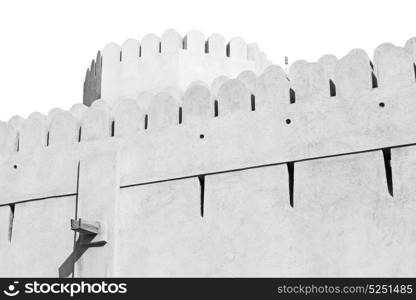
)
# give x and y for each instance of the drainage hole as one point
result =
(288, 121)
(381, 104)
(201, 136)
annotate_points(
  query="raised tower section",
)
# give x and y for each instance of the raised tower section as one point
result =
(169, 62)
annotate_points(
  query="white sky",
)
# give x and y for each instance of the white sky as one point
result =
(46, 46)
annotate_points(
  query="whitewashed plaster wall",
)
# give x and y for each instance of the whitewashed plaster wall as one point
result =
(252, 174)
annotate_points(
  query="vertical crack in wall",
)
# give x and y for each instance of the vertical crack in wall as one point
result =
(387, 167)
(201, 179)
(291, 173)
(74, 248)
(77, 190)
(11, 219)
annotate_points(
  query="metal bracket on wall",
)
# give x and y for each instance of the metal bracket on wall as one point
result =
(90, 233)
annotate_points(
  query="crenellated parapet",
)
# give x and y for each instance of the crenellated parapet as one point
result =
(351, 89)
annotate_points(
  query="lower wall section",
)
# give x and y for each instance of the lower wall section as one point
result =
(41, 238)
(5, 214)
(162, 232)
(249, 219)
(160, 229)
(404, 179)
(344, 222)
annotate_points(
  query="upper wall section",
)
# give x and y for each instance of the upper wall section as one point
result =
(169, 61)
(333, 106)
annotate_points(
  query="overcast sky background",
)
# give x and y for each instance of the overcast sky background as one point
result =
(46, 46)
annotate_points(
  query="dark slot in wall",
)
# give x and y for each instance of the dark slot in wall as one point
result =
(216, 108)
(291, 175)
(253, 102)
(292, 96)
(332, 89)
(207, 47)
(112, 130)
(371, 65)
(201, 179)
(18, 143)
(185, 43)
(414, 70)
(11, 219)
(374, 80)
(228, 50)
(79, 134)
(387, 168)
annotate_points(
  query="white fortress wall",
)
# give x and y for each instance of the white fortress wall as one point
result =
(245, 172)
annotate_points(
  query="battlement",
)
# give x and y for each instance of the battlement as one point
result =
(348, 93)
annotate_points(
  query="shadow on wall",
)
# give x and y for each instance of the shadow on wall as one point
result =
(92, 83)
(80, 246)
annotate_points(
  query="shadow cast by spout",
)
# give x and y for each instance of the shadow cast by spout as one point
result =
(84, 242)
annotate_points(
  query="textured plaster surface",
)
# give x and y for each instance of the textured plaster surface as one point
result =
(41, 239)
(200, 159)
